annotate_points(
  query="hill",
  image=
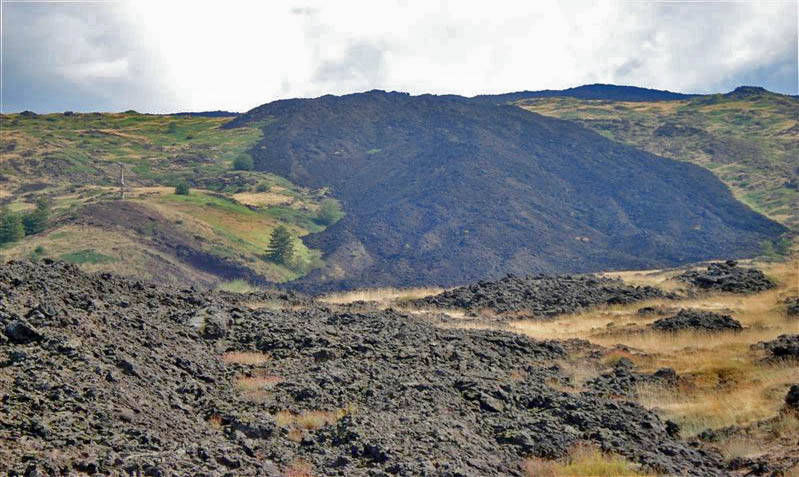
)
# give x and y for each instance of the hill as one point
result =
(446, 190)
(749, 138)
(216, 233)
(589, 91)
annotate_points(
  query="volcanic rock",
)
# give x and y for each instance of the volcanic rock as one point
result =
(728, 277)
(541, 295)
(792, 398)
(396, 395)
(792, 308)
(783, 347)
(688, 319)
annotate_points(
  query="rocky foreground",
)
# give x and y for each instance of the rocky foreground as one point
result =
(104, 375)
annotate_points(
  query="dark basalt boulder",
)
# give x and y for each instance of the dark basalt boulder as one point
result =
(792, 306)
(783, 347)
(792, 398)
(688, 319)
(22, 332)
(728, 277)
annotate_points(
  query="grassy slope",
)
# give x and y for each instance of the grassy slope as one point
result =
(75, 160)
(750, 141)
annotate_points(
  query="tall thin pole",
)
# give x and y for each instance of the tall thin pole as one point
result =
(121, 182)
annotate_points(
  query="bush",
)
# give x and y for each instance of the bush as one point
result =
(329, 212)
(36, 221)
(182, 189)
(243, 162)
(281, 246)
(262, 187)
(11, 227)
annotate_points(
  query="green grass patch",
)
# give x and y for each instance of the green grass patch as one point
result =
(237, 286)
(87, 256)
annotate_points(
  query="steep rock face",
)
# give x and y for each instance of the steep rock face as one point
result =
(442, 189)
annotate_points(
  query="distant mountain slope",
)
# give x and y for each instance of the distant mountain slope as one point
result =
(748, 137)
(218, 232)
(588, 91)
(446, 190)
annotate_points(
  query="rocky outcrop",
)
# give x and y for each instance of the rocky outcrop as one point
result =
(728, 277)
(783, 347)
(688, 319)
(541, 295)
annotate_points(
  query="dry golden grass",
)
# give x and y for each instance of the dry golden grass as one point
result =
(215, 421)
(723, 381)
(298, 468)
(738, 397)
(259, 199)
(311, 420)
(251, 358)
(257, 387)
(257, 382)
(582, 461)
(380, 295)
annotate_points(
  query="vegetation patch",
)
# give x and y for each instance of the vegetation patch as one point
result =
(86, 256)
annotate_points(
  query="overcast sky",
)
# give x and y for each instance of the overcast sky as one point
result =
(169, 55)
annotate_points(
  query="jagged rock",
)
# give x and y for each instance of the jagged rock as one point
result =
(783, 347)
(728, 277)
(792, 398)
(22, 332)
(541, 294)
(792, 306)
(688, 319)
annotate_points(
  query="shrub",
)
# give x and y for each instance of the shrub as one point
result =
(243, 162)
(329, 212)
(182, 188)
(281, 246)
(36, 221)
(11, 227)
(262, 187)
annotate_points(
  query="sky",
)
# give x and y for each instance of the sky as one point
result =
(173, 55)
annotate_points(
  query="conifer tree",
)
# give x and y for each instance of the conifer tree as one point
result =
(281, 246)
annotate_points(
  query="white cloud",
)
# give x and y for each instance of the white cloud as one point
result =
(94, 70)
(235, 55)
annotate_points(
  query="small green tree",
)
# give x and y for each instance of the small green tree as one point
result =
(281, 246)
(11, 228)
(329, 212)
(182, 188)
(36, 221)
(243, 162)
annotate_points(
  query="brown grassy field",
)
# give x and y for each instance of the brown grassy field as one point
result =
(723, 380)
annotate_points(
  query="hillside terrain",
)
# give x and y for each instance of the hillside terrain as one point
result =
(103, 375)
(608, 92)
(445, 190)
(437, 190)
(749, 138)
(218, 232)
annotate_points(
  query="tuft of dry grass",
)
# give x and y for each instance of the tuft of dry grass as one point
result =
(298, 468)
(251, 358)
(215, 421)
(257, 387)
(258, 382)
(311, 420)
(380, 295)
(582, 461)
